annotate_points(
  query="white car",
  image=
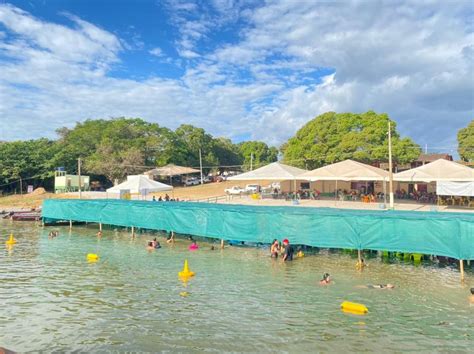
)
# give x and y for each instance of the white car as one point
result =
(235, 190)
(252, 188)
(192, 181)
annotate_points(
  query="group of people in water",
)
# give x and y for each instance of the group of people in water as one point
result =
(285, 250)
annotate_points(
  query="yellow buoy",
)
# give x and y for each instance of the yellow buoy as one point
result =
(186, 273)
(183, 293)
(354, 308)
(92, 257)
(11, 240)
(300, 254)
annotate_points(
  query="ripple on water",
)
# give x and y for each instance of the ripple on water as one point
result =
(240, 300)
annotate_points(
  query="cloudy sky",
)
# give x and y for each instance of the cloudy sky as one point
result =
(238, 68)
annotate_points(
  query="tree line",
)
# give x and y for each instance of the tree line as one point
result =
(113, 148)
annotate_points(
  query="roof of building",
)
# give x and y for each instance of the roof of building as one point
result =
(434, 157)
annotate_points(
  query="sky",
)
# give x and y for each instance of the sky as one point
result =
(243, 69)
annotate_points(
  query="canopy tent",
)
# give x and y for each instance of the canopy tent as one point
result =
(347, 170)
(439, 170)
(458, 189)
(171, 170)
(275, 171)
(140, 184)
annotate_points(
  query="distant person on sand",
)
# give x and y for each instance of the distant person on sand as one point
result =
(275, 248)
(167, 197)
(326, 279)
(160, 199)
(154, 199)
(288, 251)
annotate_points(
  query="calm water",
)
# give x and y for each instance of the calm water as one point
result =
(240, 300)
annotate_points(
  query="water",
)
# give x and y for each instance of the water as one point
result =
(240, 300)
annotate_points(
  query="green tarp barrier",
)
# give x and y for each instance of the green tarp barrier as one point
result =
(444, 234)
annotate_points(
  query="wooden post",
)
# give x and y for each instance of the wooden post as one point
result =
(172, 236)
(70, 224)
(461, 268)
(100, 226)
(360, 265)
(133, 231)
(222, 243)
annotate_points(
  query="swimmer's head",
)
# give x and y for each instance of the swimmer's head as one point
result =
(150, 244)
(390, 286)
(326, 276)
(472, 291)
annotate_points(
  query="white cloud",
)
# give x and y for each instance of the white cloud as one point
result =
(156, 52)
(413, 61)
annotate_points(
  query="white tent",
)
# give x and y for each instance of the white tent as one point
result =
(347, 170)
(439, 170)
(275, 171)
(458, 189)
(140, 184)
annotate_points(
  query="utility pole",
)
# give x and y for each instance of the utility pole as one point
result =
(79, 173)
(390, 167)
(21, 186)
(200, 165)
(251, 161)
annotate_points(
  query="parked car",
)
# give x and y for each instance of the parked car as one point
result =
(192, 181)
(235, 190)
(207, 179)
(252, 188)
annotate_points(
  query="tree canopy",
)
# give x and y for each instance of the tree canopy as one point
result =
(333, 137)
(114, 148)
(466, 142)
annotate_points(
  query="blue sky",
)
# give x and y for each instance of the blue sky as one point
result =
(238, 68)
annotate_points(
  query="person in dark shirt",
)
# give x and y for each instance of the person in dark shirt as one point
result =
(288, 251)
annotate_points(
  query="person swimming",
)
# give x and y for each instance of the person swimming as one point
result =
(156, 243)
(379, 286)
(150, 246)
(471, 298)
(275, 249)
(99, 234)
(193, 246)
(326, 279)
(53, 234)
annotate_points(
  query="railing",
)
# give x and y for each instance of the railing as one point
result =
(210, 199)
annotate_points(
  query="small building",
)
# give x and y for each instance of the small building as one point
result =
(69, 183)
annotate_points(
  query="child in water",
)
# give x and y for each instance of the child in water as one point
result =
(156, 243)
(150, 246)
(193, 246)
(275, 249)
(326, 279)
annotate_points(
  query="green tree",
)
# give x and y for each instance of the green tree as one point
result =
(119, 138)
(115, 164)
(30, 160)
(261, 152)
(333, 137)
(466, 142)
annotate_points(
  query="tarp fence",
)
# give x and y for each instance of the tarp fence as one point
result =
(440, 233)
